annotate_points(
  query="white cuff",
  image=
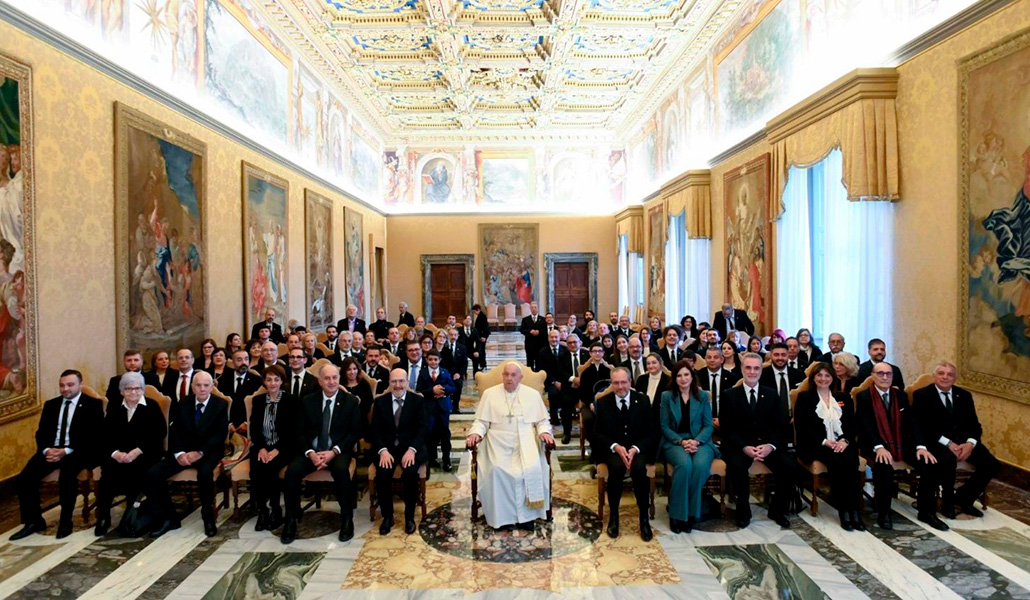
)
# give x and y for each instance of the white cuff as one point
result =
(920, 447)
(971, 441)
(178, 454)
(943, 441)
(877, 447)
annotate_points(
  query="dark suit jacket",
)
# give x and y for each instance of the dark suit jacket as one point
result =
(380, 328)
(770, 380)
(617, 331)
(423, 373)
(286, 415)
(380, 374)
(413, 429)
(667, 357)
(629, 365)
(171, 389)
(238, 410)
(344, 429)
(868, 434)
(343, 325)
(801, 360)
(308, 385)
(588, 379)
(611, 427)
(534, 342)
(565, 371)
(933, 419)
(482, 325)
(207, 436)
(809, 429)
(866, 369)
(549, 364)
(443, 378)
(741, 322)
(455, 362)
(146, 431)
(406, 319)
(741, 426)
(276, 335)
(726, 381)
(468, 340)
(83, 431)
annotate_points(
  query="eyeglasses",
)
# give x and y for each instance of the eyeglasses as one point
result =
(132, 389)
(301, 357)
(884, 374)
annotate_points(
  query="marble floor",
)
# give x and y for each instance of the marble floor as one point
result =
(569, 556)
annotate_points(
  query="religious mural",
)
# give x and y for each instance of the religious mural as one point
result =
(656, 238)
(353, 236)
(160, 201)
(265, 234)
(505, 177)
(994, 327)
(318, 244)
(17, 270)
(509, 253)
(438, 180)
(749, 240)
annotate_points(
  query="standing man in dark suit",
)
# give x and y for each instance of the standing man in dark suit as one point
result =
(836, 344)
(671, 352)
(754, 427)
(405, 317)
(67, 439)
(567, 383)
(951, 430)
(412, 362)
(715, 380)
(624, 439)
(597, 371)
(535, 332)
(381, 327)
(351, 322)
(375, 370)
(622, 328)
(888, 433)
(635, 362)
(482, 326)
(796, 359)
(398, 432)
(180, 387)
(196, 440)
(132, 360)
(469, 337)
(731, 319)
(439, 396)
(329, 427)
(455, 360)
(780, 377)
(241, 384)
(275, 330)
(877, 353)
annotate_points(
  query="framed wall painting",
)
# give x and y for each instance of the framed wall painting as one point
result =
(160, 235)
(265, 243)
(318, 245)
(749, 241)
(18, 368)
(994, 249)
(656, 238)
(353, 235)
(509, 252)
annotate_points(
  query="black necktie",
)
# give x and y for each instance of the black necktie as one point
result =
(323, 437)
(296, 386)
(947, 402)
(754, 400)
(715, 390)
(783, 386)
(622, 405)
(239, 382)
(793, 364)
(63, 440)
(575, 363)
(886, 397)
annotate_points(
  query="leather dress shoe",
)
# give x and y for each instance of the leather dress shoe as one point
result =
(856, 521)
(566, 439)
(29, 529)
(409, 526)
(434, 464)
(447, 467)
(165, 527)
(613, 528)
(971, 510)
(674, 525)
(289, 532)
(275, 521)
(932, 520)
(64, 530)
(885, 521)
(347, 530)
(645, 531)
(743, 521)
(689, 525)
(210, 529)
(780, 520)
(103, 526)
(262, 521)
(384, 528)
(845, 521)
(948, 512)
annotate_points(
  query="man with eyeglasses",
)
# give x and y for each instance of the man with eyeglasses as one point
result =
(299, 382)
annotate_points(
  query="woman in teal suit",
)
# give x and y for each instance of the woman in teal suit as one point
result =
(686, 417)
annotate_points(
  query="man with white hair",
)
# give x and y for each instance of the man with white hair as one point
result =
(404, 317)
(513, 471)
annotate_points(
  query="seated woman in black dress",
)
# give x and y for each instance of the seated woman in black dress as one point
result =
(273, 431)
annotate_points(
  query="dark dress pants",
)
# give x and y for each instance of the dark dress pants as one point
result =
(157, 485)
(439, 433)
(782, 467)
(845, 484)
(338, 467)
(68, 484)
(265, 483)
(409, 481)
(641, 484)
(987, 468)
(120, 478)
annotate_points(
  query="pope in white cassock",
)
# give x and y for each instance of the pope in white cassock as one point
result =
(514, 477)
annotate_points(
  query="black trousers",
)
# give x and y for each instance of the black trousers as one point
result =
(845, 484)
(459, 384)
(338, 467)
(782, 467)
(68, 484)
(409, 481)
(157, 485)
(987, 468)
(120, 478)
(531, 353)
(265, 484)
(439, 433)
(479, 364)
(884, 484)
(641, 484)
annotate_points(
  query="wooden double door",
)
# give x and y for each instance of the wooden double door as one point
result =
(447, 289)
(571, 290)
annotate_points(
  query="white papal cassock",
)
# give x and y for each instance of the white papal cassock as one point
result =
(514, 477)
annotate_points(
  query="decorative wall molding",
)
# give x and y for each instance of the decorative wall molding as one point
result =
(428, 260)
(551, 258)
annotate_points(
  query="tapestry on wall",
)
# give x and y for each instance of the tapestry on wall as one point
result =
(17, 267)
(318, 243)
(353, 234)
(160, 199)
(656, 234)
(265, 235)
(749, 240)
(994, 252)
(509, 253)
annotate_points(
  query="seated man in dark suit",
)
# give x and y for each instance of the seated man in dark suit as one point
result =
(781, 377)
(275, 331)
(240, 384)
(877, 353)
(132, 360)
(67, 439)
(398, 431)
(439, 396)
(624, 439)
(455, 359)
(796, 359)
(132, 442)
(596, 371)
(671, 352)
(888, 433)
(380, 327)
(715, 380)
(196, 440)
(567, 383)
(754, 427)
(375, 370)
(329, 427)
(731, 319)
(351, 322)
(269, 357)
(952, 433)
(548, 360)
(299, 383)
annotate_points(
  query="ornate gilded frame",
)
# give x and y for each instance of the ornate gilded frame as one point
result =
(27, 402)
(253, 171)
(975, 380)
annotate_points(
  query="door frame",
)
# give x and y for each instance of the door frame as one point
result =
(428, 260)
(550, 258)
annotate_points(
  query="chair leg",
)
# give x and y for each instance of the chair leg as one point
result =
(84, 490)
(600, 499)
(815, 497)
(422, 496)
(371, 500)
(651, 505)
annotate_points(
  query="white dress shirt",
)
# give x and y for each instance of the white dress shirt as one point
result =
(60, 421)
(332, 407)
(202, 405)
(940, 394)
(618, 406)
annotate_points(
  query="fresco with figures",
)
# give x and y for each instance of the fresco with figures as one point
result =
(318, 245)
(656, 236)
(749, 240)
(994, 328)
(265, 244)
(509, 253)
(353, 238)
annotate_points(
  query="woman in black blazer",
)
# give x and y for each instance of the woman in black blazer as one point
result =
(130, 447)
(352, 381)
(651, 384)
(824, 426)
(272, 445)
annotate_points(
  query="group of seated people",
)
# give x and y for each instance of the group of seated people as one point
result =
(643, 400)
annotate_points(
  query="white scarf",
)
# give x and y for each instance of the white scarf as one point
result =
(831, 418)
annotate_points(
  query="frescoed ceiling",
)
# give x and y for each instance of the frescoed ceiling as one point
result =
(449, 70)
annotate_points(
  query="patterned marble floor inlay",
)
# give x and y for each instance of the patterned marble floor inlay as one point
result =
(267, 576)
(1006, 543)
(759, 571)
(14, 558)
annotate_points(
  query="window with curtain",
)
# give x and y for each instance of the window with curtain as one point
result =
(675, 269)
(687, 273)
(834, 259)
(624, 274)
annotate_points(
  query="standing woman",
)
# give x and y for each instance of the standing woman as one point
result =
(352, 381)
(655, 324)
(204, 360)
(754, 344)
(233, 342)
(218, 360)
(159, 368)
(311, 350)
(254, 351)
(845, 368)
(824, 423)
(805, 345)
(730, 358)
(689, 325)
(687, 428)
(273, 427)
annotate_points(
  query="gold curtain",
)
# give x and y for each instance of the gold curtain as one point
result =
(691, 194)
(630, 223)
(856, 114)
